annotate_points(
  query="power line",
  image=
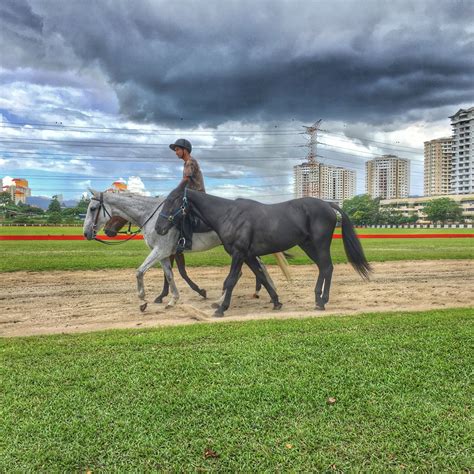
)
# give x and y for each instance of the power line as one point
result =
(148, 158)
(419, 150)
(364, 152)
(129, 144)
(358, 154)
(97, 143)
(158, 161)
(157, 178)
(60, 126)
(120, 130)
(158, 192)
(328, 161)
(154, 158)
(111, 178)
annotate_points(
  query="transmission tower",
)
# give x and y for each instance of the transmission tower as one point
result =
(312, 131)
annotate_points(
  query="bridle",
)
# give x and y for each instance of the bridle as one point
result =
(101, 206)
(183, 209)
(107, 213)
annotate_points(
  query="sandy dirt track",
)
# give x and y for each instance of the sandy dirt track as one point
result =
(34, 303)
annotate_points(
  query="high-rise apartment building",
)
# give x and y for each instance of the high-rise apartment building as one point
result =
(18, 190)
(462, 123)
(438, 167)
(307, 179)
(339, 183)
(324, 182)
(387, 177)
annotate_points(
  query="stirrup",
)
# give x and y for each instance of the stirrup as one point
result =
(181, 245)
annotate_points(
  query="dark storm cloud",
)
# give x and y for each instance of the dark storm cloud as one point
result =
(20, 33)
(273, 61)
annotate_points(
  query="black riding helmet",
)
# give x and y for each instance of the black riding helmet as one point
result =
(182, 143)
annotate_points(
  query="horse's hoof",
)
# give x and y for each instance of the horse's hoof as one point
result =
(277, 306)
(159, 299)
(215, 305)
(143, 307)
(203, 293)
(255, 296)
(320, 308)
(218, 314)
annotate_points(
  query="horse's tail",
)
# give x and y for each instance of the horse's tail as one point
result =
(283, 264)
(352, 245)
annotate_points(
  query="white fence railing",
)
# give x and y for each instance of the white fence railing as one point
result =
(417, 226)
(40, 225)
(378, 226)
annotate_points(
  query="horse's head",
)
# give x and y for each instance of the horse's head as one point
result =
(98, 213)
(174, 208)
(112, 226)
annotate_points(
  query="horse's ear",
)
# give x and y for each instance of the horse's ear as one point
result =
(93, 192)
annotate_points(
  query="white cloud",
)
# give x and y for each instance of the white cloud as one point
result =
(7, 180)
(84, 184)
(268, 194)
(136, 185)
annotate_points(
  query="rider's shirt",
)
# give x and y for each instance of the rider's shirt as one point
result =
(192, 170)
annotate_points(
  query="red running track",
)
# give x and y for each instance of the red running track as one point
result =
(336, 236)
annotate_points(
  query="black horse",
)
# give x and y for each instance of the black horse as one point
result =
(113, 227)
(249, 229)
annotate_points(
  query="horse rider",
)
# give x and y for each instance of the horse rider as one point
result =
(192, 175)
(191, 170)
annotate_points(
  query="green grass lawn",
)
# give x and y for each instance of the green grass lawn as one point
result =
(56, 230)
(254, 393)
(84, 255)
(31, 230)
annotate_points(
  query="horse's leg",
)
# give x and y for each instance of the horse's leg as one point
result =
(151, 259)
(182, 271)
(166, 286)
(267, 275)
(258, 284)
(258, 287)
(325, 261)
(319, 252)
(262, 276)
(229, 283)
(166, 265)
(218, 302)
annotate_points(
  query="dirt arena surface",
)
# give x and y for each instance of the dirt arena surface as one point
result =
(33, 303)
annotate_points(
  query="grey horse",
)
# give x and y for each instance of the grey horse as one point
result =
(113, 227)
(249, 229)
(143, 212)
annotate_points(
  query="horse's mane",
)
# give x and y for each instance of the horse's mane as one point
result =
(135, 195)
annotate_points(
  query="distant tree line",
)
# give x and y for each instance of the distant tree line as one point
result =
(20, 213)
(365, 210)
(362, 209)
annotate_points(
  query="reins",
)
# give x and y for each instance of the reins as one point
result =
(128, 231)
(132, 234)
(181, 210)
